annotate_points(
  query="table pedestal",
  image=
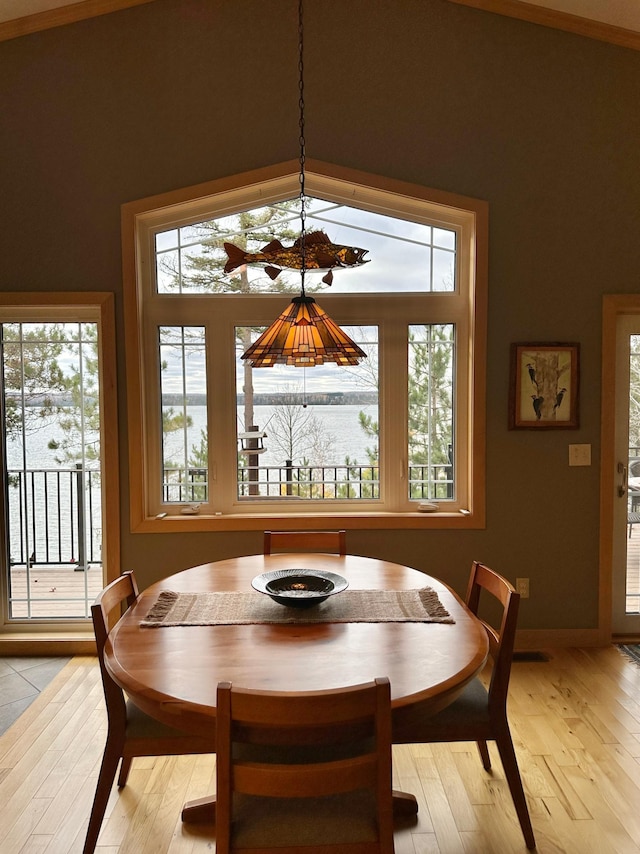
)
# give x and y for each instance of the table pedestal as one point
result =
(203, 810)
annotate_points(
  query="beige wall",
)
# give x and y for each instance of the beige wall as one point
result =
(542, 124)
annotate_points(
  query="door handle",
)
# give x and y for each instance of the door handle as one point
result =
(622, 488)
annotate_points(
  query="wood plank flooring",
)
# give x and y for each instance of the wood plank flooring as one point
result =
(576, 725)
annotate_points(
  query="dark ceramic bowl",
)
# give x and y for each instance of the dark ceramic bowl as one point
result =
(299, 588)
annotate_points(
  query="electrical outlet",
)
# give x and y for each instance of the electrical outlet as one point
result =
(522, 586)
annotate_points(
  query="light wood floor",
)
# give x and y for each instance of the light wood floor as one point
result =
(575, 720)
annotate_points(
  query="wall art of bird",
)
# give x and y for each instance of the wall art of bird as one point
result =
(559, 397)
(537, 405)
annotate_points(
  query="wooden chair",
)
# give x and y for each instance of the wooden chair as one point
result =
(293, 778)
(479, 714)
(331, 542)
(130, 732)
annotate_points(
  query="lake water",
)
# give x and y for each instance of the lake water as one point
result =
(337, 427)
(325, 435)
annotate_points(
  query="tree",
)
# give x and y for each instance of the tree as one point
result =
(430, 424)
(32, 377)
(362, 480)
(366, 376)
(79, 418)
(204, 272)
(430, 420)
(250, 230)
(298, 435)
(371, 429)
(430, 396)
(634, 394)
(296, 432)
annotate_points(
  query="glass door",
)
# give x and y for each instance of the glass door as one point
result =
(50, 408)
(626, 553)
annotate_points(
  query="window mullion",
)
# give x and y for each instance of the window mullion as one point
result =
(393, 414)
(221, 402)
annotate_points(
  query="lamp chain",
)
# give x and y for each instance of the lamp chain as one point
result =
(303, 213)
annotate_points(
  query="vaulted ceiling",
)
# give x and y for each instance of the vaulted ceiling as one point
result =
(616, 21)
(617, 13)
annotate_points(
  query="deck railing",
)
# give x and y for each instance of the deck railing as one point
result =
(55, 514)
(309, 482)
(55, 517)
(353, 482)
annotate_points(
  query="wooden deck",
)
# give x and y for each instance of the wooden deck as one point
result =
(633, 570)
(55, 591)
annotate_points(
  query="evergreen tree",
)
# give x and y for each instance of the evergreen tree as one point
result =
(79, 418)
(33, 380)
(430, 395)
(204, 273)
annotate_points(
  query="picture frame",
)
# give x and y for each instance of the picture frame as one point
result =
(544, 386)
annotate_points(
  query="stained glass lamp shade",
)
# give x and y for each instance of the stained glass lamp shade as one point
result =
(303, 335)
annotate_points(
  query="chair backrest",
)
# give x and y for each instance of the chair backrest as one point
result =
(123, 589)
(501, 640)
(331, 542)
(247, 720)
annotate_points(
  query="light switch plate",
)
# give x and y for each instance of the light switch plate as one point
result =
(579, 455)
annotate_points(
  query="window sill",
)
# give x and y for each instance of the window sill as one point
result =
(309, 521)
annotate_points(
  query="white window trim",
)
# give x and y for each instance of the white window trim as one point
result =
(140, 221)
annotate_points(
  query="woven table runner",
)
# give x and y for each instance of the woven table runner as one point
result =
(351, 606)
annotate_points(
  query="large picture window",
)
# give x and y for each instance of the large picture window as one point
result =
(217, 443)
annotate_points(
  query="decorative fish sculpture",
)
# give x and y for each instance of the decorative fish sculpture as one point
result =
(319, 252)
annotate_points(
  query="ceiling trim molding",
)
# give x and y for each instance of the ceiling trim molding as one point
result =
(523, 11)
(558, 20)
(63, 15)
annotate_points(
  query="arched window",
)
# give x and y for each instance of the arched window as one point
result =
(218, 444)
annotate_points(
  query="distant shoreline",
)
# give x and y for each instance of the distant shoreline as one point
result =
(333, 398)
(352, 398)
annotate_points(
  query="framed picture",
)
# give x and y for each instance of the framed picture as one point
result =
(543, 391)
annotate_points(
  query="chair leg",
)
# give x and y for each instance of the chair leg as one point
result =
(108, 769)
(483, 750)
(512, 773)
(125, 767)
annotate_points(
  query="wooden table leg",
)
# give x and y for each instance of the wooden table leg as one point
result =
(404, 804)
(200, 811)
(203, 810)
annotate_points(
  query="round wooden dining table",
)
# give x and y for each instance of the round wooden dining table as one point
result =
(172, 672)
